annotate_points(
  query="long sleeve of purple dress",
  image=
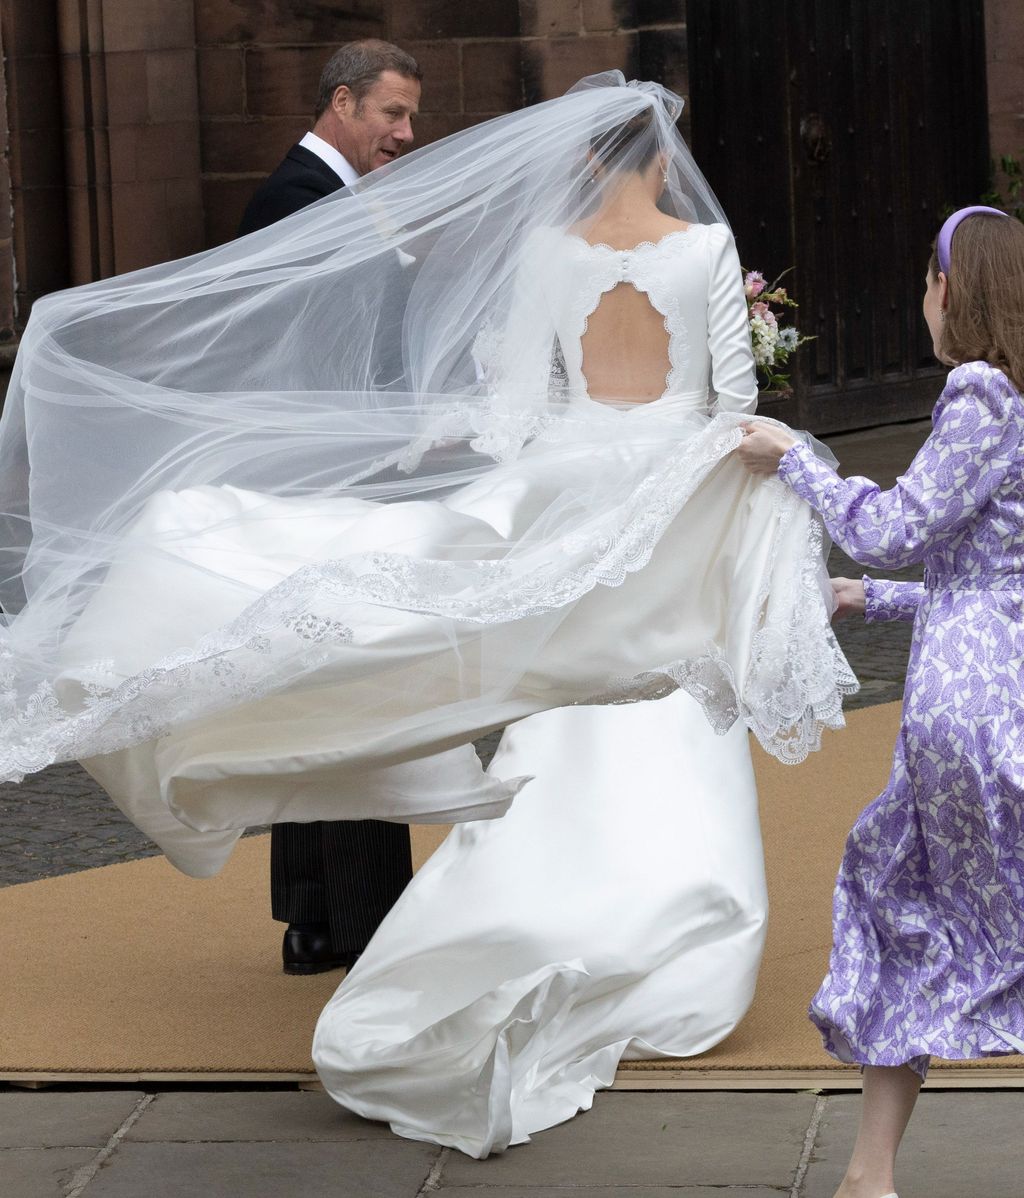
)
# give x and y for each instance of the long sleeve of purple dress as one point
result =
(928, 919)
(972, 448)
(885, 600)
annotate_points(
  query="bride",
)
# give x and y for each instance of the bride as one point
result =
(619, 908)
(290, 523)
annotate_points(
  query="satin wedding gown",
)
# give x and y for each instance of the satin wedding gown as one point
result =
(314, 685)
(288, 526)
(618, 909)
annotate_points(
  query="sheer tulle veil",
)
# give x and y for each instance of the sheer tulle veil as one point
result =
(374, 347)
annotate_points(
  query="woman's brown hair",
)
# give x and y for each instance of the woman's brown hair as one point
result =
(985, 313)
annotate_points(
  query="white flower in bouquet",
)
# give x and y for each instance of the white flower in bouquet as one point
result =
(771, 342)
(763, 337)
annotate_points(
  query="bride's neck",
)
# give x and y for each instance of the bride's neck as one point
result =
(632, 199)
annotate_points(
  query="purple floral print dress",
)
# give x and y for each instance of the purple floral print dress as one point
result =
(928, 920)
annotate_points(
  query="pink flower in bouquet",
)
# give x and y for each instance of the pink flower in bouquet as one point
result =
(760, 309)
(753, 283)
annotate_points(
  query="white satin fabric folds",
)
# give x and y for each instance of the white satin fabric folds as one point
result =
(286, 525)
(617, 910)
(711, 581)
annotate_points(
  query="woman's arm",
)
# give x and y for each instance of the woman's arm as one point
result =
(877, 600)
(733, 377)
(972, 448)
(885, 601)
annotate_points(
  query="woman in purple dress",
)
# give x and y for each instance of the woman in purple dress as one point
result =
(928, 953)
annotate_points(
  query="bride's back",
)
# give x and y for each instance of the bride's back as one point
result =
(625, 343)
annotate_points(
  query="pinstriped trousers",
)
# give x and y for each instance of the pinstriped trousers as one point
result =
(345, 873)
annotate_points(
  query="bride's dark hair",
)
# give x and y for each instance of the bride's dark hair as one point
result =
(630, 146)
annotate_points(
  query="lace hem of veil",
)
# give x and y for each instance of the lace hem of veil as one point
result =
(792, 684)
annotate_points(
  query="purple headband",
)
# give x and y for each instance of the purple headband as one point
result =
(945, 240)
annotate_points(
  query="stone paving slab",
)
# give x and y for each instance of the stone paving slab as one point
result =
(959, 1145)
(37, 1119)
(244, 1170)
(213, 1116)
(263, 1144)
(40, 1172)
(613, 1192)
(657, 1139)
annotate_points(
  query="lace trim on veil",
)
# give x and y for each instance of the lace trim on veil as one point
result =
(791, 690)
(793, 693)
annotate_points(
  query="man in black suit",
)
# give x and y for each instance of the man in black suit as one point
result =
(333, 883)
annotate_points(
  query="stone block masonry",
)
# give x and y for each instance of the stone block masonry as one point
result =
(1004, 40)
(136, 130)
(259, 63)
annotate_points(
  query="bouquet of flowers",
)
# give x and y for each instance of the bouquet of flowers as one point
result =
(772, 341)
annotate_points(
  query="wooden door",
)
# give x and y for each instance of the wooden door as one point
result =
(837, 134)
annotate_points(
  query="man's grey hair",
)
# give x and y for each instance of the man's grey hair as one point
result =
(358, 66)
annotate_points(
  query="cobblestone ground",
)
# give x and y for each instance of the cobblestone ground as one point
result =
(60, 821)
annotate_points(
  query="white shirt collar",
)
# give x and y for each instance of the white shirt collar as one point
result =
(345, 172)
(334, 158)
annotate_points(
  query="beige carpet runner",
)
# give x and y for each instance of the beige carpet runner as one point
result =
(135, 971)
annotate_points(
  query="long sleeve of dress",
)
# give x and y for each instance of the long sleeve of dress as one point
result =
(885, 601)
(733, 375)
(972, 447)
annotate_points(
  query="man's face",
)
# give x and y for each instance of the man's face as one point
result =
(378, 128)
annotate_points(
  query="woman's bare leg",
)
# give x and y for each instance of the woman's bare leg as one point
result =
(889, 1097)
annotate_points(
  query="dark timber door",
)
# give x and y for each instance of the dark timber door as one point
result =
(837, 133)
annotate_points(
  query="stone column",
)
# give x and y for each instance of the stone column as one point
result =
(132, 119)
(1004, 51)
(7, 308)
(33, 225)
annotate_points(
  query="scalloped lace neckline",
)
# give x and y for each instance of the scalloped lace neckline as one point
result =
(641, 245)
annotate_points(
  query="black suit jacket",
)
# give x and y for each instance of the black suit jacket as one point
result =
(300, 180)
(345, 873)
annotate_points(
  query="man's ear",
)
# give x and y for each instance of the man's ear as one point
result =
(343, 102)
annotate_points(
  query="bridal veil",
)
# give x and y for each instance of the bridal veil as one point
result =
(376, 355)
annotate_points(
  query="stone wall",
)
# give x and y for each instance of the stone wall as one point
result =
(33, 224)
(7, 275)
(259, 64)
(131, 113)
(139, 128)
(1004, 41)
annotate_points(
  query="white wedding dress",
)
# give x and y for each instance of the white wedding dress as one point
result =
(311, 688)
(619, 908)
(288, 526)
(617, 911)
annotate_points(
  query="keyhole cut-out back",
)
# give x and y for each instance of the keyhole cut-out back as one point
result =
(626, 347)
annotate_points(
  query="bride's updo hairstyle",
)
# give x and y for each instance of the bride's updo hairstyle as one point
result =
(984, 319)
(631, 146)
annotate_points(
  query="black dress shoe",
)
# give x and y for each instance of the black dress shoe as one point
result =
(308, 949)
